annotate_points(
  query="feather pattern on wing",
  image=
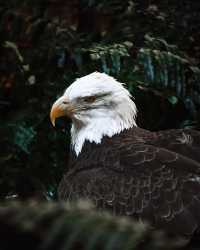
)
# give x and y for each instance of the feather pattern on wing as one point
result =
(141, 174)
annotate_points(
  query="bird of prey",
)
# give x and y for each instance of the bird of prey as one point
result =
(153, 176)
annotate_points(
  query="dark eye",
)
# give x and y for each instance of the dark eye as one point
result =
(89, 99)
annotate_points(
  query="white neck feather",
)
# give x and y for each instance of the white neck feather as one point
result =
(121, 118)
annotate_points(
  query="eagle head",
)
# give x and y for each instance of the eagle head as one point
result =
(98, 106)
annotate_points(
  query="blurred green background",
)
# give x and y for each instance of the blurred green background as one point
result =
(153, 46)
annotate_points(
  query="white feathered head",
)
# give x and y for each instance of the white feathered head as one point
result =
(98, 105)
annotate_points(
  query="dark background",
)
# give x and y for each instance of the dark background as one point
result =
(153, 46)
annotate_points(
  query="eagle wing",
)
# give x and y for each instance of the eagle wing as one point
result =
(183, 141)
(141, 180)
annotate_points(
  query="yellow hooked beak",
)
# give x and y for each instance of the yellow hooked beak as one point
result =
(60, 108)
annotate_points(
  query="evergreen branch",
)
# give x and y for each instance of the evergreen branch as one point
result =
(62, 226)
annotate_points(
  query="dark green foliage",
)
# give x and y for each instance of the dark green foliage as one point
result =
(172, 72)
(60, 226)
(45, 45)
(109, 56)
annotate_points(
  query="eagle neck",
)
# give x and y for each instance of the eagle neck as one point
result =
(97, 130)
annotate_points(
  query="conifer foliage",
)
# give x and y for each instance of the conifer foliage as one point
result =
(49, 226)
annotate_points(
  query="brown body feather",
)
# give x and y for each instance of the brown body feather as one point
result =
(153, 176)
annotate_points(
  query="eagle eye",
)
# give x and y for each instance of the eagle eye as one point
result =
(89, 99)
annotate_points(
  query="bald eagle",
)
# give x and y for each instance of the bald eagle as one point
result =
(153, 176)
